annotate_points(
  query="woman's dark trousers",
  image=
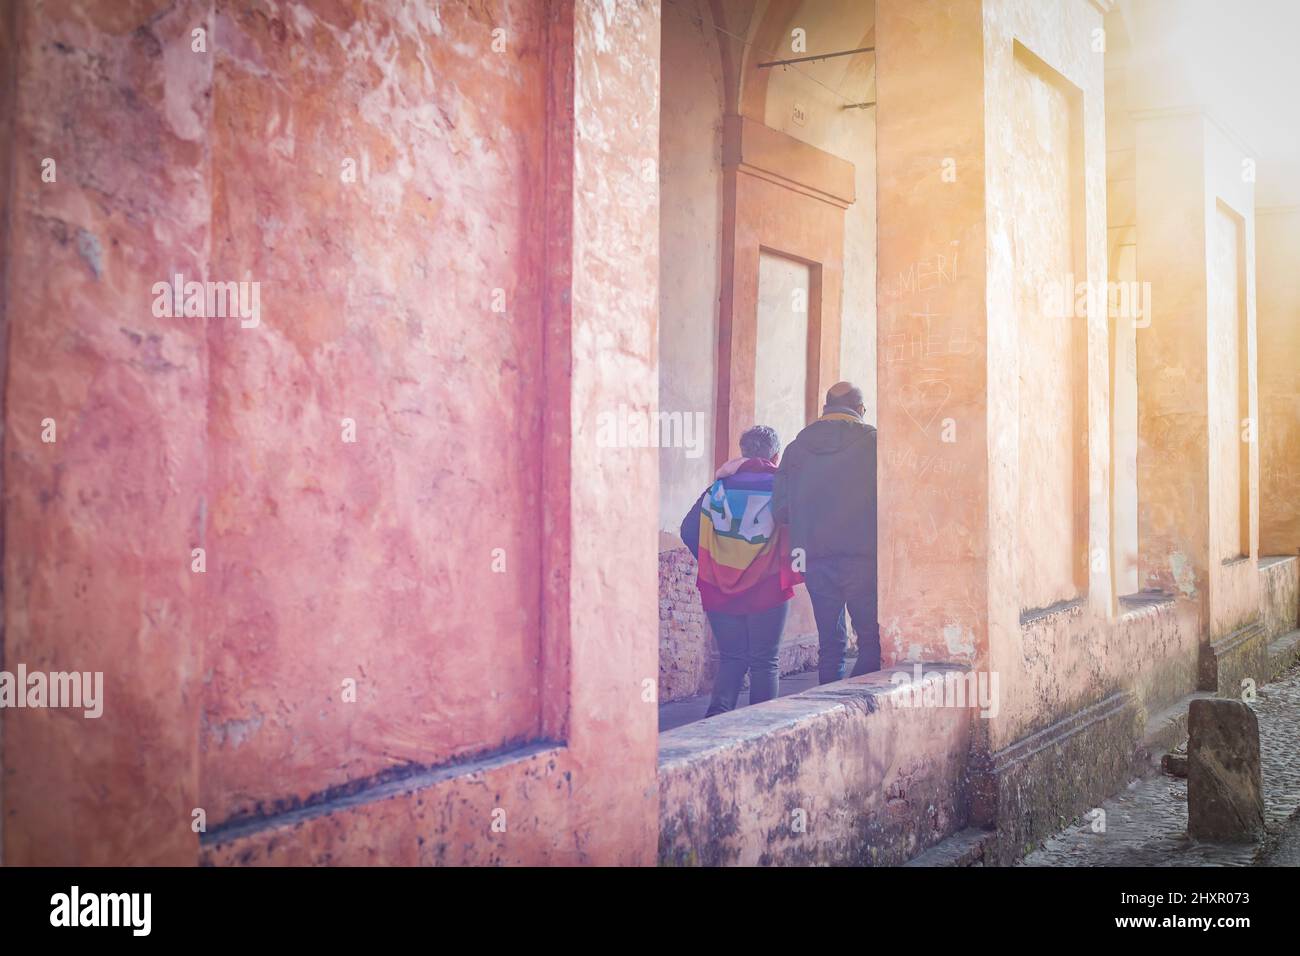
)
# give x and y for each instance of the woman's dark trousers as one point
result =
(747, 642)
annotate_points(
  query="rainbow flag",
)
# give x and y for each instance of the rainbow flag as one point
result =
(744, 556)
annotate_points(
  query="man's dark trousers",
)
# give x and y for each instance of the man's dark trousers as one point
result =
(834, 584)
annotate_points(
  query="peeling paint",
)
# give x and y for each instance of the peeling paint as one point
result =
(1184, 573)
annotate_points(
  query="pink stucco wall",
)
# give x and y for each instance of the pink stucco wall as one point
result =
(509, 178)
(100, 523)
(374, 560)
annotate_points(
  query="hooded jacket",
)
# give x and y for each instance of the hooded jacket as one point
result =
(743, 555)
(825, 487)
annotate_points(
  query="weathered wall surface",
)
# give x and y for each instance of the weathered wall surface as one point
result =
(99, 522)
(377, 307)
(1229, 217)
(1173, 522)
(1279, 586)
(328, 559)
(844, 775)
(1277, 245)
(934, 528)
(1121, 245)
(1224, 321)
(1072, 659)
(1039, 60)
(1045, 224)
(8, 76)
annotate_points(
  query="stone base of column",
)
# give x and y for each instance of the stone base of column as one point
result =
(1225, 663)
(1058, 774)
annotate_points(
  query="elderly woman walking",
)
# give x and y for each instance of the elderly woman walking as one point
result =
(746, 578)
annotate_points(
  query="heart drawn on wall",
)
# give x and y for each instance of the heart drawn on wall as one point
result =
(922, 401)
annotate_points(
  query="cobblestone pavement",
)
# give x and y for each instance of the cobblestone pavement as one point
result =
(1146, 824)
(1286, 852)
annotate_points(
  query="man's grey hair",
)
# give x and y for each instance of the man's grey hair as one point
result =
(761, 441)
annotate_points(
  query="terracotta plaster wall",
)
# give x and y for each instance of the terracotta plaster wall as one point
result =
(1193, 472)
(1072, 659)
(8, 76)
(327, 559)
(1279, 585)
(1121, 242)
(1056, 39)
(336, 559)
(592, 800)
(100, 522)
(932, 360)
(1173, 454)
(1224, 323)
(1277, 248)
(1045, 223)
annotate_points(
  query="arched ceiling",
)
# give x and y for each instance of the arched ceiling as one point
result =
(766, 26)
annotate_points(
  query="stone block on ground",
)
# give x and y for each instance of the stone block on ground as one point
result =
(1174, 763)
(1225, 800)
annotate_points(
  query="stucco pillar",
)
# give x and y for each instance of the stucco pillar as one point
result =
(106, 454)
(931, 330)
(1278, 245)
(1196, 398)
(992, 401)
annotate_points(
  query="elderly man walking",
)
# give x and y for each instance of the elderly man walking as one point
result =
(825, 489)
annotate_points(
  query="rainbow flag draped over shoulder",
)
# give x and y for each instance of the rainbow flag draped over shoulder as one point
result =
(744, 557)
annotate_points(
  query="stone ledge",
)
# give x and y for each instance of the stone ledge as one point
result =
(848, 774)
(1283, 653)
(358, 793)
(966, 848)
(1071, 608)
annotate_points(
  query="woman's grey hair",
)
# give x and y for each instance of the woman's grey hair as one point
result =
(761, 441)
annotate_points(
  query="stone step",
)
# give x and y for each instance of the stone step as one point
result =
(1283, 652)
(964, 848)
